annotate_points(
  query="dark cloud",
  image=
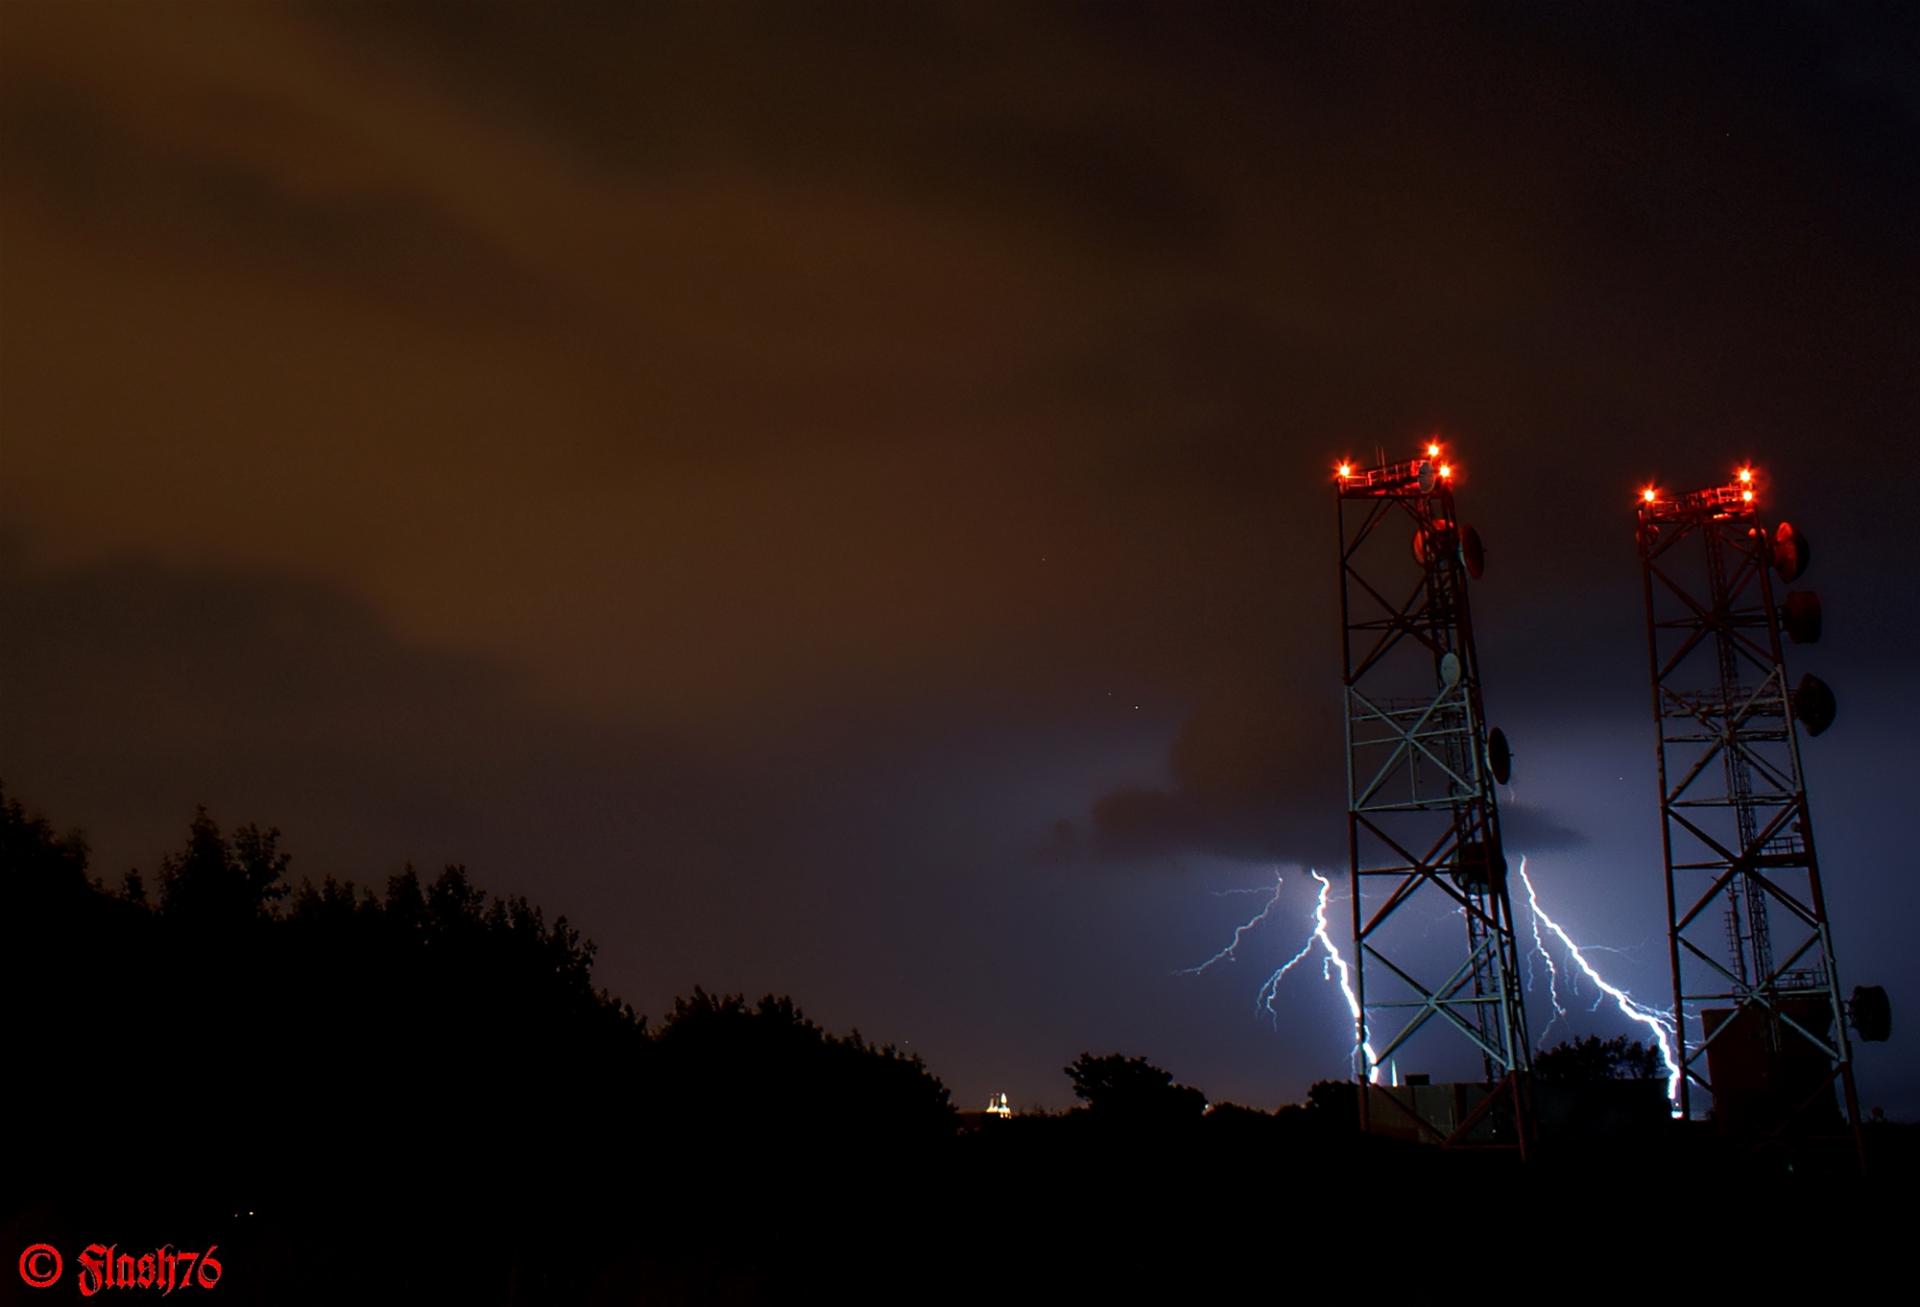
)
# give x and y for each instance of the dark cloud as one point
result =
(1531, 829)
(1254, 774)
(198, 190)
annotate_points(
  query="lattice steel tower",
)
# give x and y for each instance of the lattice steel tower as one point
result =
(1763, 1030)
(1423, 822)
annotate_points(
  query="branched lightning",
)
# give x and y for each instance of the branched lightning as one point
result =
(1264, 999)
(1553, 972)
(1321, 937)
(1332, 962)
(1658, 1020)
(1239, 933)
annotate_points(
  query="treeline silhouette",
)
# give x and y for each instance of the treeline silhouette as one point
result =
(326, 1021)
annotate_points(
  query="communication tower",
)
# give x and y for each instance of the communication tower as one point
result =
(1763, 1030)
(1423, 821)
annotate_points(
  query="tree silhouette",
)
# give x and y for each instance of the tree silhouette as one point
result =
(1592, 1059)
(764, 1069)
(1132, 1089)
(217, 882)
(44, 872)
(1333, 1106)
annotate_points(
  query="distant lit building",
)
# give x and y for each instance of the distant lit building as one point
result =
(997, 1109)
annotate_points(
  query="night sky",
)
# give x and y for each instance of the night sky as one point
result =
(835, 499)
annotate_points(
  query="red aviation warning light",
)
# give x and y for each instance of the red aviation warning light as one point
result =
(1344, 470)
(1433, 449)
(1648, 494)
(1446, 471)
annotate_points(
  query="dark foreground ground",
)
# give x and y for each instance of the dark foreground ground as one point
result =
(1046, 1210)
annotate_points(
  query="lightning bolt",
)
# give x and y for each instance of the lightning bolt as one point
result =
(1333, 962)
(1333, 965)
(1658, 1020)
(1241, 932)
(1265, 997)
(1540, 945)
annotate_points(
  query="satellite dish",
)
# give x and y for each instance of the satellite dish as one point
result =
(1813, 704)
(1800, 617)
(1791, 553)
(1499, 755)
(1450, 669)
(1872, 1013)
(1429, 476)
(1473, 554)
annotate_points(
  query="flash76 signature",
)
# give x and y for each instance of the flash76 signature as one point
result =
(104, 1266)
